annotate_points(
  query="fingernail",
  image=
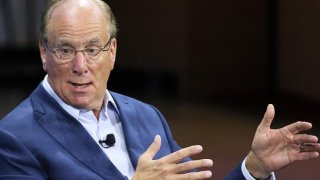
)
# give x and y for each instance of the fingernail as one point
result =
(198, 148)
(209, 162)
(156, 139)
(208, 174)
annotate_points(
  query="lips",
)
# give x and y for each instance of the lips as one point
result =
(80, 85)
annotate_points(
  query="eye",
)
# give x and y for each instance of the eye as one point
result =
(92, 51)
(66, 50)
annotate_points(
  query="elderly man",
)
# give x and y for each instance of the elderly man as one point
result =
(72, 127)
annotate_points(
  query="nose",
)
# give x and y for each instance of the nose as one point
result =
(79, 65)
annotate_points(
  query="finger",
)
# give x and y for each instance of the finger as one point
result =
(193, 175)
(181, 154)
(194, 164)
(306, 155)
(298, 127)
(309, 147)
(304, 138)
(267, 118)
(153, 148)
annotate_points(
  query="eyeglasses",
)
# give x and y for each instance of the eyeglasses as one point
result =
(67, 54)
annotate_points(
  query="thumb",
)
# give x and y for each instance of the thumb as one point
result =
(267, 118)
(153, 148)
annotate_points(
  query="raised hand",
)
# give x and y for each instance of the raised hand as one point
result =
(169, 167)
(273, 149)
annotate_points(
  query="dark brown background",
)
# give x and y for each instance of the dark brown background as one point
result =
(210, 66)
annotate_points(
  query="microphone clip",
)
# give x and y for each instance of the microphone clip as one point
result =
(108, 142)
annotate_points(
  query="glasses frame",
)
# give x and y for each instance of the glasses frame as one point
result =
(83, 51)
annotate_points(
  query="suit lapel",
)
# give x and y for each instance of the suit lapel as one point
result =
(131, 129)
(71, 135)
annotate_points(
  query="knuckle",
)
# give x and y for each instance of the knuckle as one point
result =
(189, 176)
(179, 155)
(162, 170)
(183, 167)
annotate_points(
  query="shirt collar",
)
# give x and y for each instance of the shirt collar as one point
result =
(75, 112)
(108, 100)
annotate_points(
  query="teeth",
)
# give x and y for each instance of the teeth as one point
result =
(80, 85)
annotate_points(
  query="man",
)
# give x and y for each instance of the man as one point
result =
(60, 131)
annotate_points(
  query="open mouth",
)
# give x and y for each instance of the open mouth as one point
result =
(80, 85)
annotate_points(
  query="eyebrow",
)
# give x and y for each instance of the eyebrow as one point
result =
(63, 42)
(93, 41)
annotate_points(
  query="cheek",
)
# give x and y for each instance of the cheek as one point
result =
(102, 74)
(53, 68)
(105, 67)
(56, 72)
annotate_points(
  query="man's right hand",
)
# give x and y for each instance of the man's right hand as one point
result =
(168, 167)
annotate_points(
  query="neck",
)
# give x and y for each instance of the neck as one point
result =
(96, 113)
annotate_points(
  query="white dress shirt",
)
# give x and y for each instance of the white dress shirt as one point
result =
(108, 123)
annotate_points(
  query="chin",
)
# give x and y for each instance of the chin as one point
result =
(81, 104)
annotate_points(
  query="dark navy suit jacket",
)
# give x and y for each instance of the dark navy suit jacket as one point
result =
(39, 140)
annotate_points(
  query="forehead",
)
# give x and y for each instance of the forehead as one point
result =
(77, 18)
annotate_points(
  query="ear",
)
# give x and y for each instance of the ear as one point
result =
(43, 54)
(113, 51)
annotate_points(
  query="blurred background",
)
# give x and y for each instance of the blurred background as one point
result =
(211, 67)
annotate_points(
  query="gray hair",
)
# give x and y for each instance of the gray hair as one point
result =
(112, 25)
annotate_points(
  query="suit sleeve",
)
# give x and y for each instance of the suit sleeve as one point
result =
(16, 161)
(236, 174)
(242, 173)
